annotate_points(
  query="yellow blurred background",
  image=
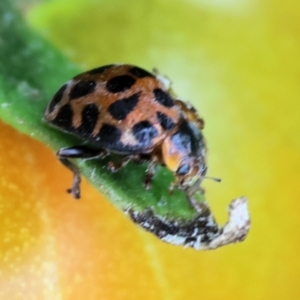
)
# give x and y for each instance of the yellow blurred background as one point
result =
(238, 62)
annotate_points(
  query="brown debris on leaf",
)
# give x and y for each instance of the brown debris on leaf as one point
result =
(201, 233)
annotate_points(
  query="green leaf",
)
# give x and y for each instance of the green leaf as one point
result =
(31, 71)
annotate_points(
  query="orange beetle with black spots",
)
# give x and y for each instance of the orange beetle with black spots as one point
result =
(125, 110)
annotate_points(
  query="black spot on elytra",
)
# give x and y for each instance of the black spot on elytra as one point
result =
(64, 117)
(144, 132)
(163, 98)
(100, 69)
(57, 98)
(183, 169)
(89, 116)
(121, 108)
(165, 121)
(188, 139)
(183, 138)
(140, 73)
(82, 88)
(109, 135)
(120, 83)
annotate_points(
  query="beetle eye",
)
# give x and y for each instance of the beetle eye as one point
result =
(183, 170)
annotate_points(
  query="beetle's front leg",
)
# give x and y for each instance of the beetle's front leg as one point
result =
(149, 175)
(82, 152)
(150, 172)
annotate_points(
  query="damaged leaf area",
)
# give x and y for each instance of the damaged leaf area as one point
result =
(31, 71)
(201, 232)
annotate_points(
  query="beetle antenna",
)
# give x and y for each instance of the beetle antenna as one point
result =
(213, 178)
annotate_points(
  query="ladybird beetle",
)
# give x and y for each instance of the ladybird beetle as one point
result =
(125, 110)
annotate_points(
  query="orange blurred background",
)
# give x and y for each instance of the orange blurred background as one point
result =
(238, 63)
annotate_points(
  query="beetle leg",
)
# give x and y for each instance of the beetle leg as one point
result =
(83, 152)
(75, 189)
(196, 187)
(191, 191)
(149, 175)
(150, 172)
(172, 187)
(114, 167)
